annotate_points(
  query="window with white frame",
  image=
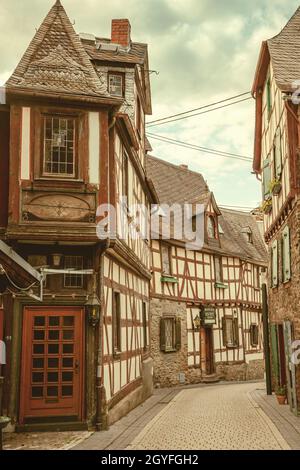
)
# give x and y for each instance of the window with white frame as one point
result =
(116, 84)
(74, 263)
(218, 269)
(59, 146)
(166, 259)
(230, 331)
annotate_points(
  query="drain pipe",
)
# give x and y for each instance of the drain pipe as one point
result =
(102, 410)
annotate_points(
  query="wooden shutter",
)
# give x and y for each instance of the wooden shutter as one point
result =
(274, 349)
(162, 335)
(266, 178)
(275, 263)
(286, 255)
(224, 335)
(235, 326)
(278, 155)
(178, 334)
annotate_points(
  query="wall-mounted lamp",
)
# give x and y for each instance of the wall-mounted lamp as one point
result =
(56, 260)
(93, 309)
(197, 322)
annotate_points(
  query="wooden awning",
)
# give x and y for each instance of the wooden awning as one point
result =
(15, 272)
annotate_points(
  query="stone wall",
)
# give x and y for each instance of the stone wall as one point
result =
(254, 370)
(284, 300)
(168, 366)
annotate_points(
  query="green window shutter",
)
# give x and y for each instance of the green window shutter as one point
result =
(275, 264)
(162, 335)
(274, 349)
(266, 178)
(278, 155)
(286, 254)
(224, 335)
(178, 334)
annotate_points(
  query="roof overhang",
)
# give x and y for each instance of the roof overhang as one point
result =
(27, 93)
(126, 122)
(261, 68)
(257, 90)
(16, 269)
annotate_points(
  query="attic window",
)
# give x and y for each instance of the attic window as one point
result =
(248, 235)
(211, 227)
(116, 84)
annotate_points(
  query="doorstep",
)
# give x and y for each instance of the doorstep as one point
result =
(51, 427)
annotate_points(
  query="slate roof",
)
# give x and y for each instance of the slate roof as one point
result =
(233, 224)
(177, 185)
(59, 61)
(137, 53)
(174, 184)
(56, 60)
(284, 51)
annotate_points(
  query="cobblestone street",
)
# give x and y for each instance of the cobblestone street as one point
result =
(222, 416)
(216, 417)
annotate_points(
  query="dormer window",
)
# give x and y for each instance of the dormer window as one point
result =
(211, 227)
(116, 84)
(59, 146)
(248, 235)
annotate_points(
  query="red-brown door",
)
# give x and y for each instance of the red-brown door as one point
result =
(52, 363)
(209, 351)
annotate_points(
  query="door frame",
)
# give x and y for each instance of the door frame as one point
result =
(24, 370)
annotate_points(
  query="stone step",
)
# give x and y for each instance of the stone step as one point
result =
(210, 379)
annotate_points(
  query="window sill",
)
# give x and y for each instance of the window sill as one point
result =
(169, 279)
(221, 285)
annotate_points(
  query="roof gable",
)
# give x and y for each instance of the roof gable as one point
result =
(56, 60)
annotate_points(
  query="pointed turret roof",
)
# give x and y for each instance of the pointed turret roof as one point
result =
(56, 60)
(284, 50)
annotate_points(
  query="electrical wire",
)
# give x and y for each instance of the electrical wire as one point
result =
(200, 149)
(150, 134)
(169, 119)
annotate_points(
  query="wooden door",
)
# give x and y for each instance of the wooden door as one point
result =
(209, 351)
(52, 364)
(290, 367)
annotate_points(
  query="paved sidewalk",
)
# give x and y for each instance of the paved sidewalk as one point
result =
(121, 434)
(286, 422)
(219, 417)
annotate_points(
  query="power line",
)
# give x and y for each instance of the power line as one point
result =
(150, 134)
(200, 149)
(200, 108)
(198, 114)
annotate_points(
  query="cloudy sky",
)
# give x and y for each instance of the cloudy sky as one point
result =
(204, 51)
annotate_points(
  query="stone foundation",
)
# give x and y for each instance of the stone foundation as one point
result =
(254, 370)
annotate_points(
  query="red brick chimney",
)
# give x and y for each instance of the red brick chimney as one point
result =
(120, 32)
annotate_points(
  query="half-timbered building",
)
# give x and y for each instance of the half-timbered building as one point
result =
(72, 139)
(276, 164)
(206, 313)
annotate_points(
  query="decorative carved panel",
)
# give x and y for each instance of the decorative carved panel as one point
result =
(58, 207)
